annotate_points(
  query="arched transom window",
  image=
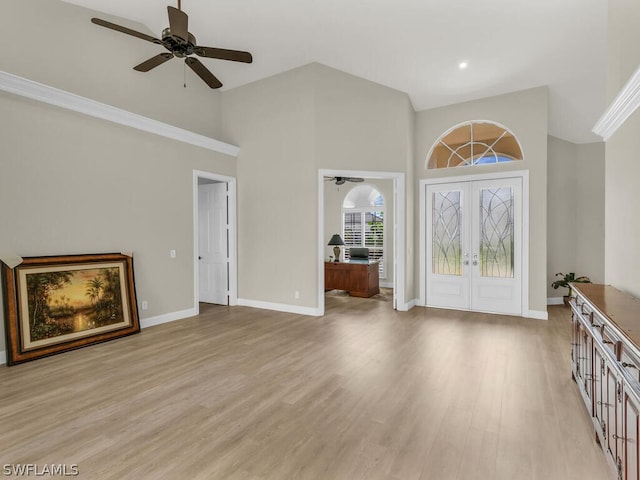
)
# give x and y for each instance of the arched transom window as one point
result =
(474, 143)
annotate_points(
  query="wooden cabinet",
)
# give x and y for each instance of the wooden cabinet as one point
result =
(605, 357)
(359, 279)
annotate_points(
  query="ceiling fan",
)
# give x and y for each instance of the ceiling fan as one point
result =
(180, 43)
(342, 180)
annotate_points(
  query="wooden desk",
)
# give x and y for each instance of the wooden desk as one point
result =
(359, 279)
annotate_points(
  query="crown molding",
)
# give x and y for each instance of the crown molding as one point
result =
(625, 103)
(70, 101)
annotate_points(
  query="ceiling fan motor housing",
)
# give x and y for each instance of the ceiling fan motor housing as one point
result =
(177, 45)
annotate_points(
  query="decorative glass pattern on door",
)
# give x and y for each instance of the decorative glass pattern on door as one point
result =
(446, 238)
(496, 232)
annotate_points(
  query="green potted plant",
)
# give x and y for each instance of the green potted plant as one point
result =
(566, 280)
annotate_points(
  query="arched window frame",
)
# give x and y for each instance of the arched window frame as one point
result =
(475, 159)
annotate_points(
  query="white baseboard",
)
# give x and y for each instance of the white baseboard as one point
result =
(386, 284)
(3, 357)
(167, 317)
(280, 307)
(536, 314)
(405, 307)
(555, 301)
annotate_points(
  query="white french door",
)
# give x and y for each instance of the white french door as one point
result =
(474, 245)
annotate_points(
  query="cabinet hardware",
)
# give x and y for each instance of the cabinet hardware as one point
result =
(607, 342)
(628, 365)
(618, 437)
(619, 392)
(604, 404)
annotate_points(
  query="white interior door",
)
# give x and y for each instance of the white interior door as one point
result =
(212, 243)
(474, 245)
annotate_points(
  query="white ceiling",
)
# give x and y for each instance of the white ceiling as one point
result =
(413, 46)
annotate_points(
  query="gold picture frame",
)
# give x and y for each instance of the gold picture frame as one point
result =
(60, 303)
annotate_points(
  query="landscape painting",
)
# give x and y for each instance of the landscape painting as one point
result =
(77, 301)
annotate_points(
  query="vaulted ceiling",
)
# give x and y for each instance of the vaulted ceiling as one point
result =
(415, 46)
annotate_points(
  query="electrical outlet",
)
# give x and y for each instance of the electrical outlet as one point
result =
(172, 253)
(296, 294)
(145, 305)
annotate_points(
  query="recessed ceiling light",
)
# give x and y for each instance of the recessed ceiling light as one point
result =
(462, 65)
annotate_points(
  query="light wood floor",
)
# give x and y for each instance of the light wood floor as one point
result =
(362, 393)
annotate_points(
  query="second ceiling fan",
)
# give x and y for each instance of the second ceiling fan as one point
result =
(178, 42)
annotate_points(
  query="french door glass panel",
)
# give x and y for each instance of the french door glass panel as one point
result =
(496, 232)
(446, 237)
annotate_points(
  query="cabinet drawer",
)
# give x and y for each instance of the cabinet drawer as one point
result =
(610, 340)
(630, 364)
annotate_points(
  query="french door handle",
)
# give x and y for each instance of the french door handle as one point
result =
(475, 259)
(466, 259)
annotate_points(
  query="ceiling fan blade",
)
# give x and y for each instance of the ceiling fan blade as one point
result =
(222, 54)
(178, 23)
(153, 62)
(202, 71)
(355, 179)
(128, 31)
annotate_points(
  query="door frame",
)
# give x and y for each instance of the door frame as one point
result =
(398, 236)
(232, 223)
(422, 246)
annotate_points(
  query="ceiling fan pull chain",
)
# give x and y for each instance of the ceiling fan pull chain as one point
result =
(184, 74)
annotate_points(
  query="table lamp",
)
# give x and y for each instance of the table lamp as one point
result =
(336, 240)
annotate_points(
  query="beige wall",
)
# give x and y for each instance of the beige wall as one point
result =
(575, 211)
(525, 114)
(277, 192)
(334, 196)
(71, 184)
(289, 126)
(622, 171)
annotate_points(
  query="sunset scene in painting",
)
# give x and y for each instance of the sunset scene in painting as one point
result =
(71, 301)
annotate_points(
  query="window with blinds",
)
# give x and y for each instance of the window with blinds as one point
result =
(365, 228)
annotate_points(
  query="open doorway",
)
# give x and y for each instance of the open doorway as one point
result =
(394, 228)
(214, 223)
